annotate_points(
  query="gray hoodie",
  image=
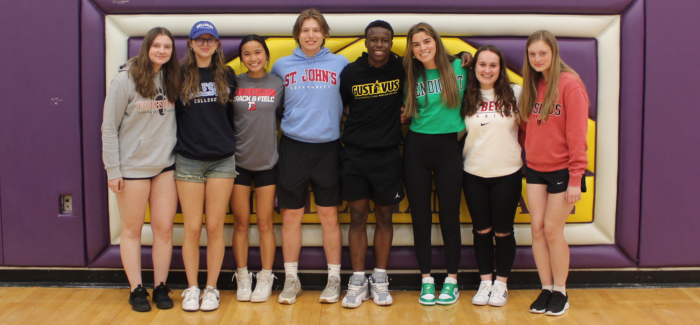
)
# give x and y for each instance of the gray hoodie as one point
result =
(138, 134)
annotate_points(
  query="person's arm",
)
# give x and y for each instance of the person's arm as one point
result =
(576, 105)
(466, 58)
(116, 102)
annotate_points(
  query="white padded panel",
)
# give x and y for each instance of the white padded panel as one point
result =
(606, 29)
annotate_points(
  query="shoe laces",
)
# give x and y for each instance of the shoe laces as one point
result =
(333, 283)
(264, 281)
(243, 281)
(191, 293)
(498, 290)
(210, 294)
(381, 288)
(484, 290)
(289, 282)
(354, 290)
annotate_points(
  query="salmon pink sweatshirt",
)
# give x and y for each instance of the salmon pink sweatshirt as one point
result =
(560, 141)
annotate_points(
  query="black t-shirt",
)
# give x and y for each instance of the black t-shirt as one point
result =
(205, 127)
(374, 96)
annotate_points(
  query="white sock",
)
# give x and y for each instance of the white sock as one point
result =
(376, 270)
(428, 279)
(549, 287)
(450, 280)
(334, 269)
(243, 271)
(265, 273)
(291, 268)
(561, 289)
(504, 284)
(359, 273)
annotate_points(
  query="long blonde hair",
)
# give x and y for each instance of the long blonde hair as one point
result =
(532, 77)
(414, 67)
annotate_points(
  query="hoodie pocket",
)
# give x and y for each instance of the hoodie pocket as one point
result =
(309, 124)
(153, 153)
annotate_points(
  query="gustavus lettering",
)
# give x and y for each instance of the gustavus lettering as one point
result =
(376, 89)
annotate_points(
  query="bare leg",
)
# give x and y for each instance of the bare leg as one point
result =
(163, 202)
(265, 197)
(132, 208)
(554, 221)
(218, 193)
(291, 234)
(383, 234)
(537, 203)
(191, 196)
(357, 236)
(332, 238)
(240, 205)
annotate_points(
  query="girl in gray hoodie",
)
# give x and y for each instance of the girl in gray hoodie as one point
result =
(138, 137)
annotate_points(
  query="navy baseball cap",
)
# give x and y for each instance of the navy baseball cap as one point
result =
(203, 27)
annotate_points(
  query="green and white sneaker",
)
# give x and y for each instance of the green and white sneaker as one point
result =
(449, 293)
(427, 292)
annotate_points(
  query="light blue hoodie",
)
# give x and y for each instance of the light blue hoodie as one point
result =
(312, 104)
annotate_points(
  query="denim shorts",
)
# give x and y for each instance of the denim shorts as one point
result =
(198, 171)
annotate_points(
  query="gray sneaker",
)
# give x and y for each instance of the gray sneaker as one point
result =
(292, 290)
(379, 283)
(331, 293)
(357, 292)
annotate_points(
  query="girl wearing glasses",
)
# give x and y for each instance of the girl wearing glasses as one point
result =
(555, 102)
(205, 167)
(138, 137)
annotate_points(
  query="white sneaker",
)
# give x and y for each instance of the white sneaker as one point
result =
(379, 289)
(331, 293)
(190, 302)
(292, 290)
(482, 296)
(357, 292)
(263, 288)
(243, 284)
(499, 294)
(210, 299)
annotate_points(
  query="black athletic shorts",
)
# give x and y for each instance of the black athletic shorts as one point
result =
(166, 169)
(372, 173)
(261, 178)
(556, 181)
(301, 163)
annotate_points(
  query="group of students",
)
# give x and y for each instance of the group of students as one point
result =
(171, 132)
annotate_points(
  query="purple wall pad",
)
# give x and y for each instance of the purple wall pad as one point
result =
(228, 44)
(93, 97)
(631, 112)
(402, 258)
(670, 223)
(39, 125)
(359, 6)
(580, 53)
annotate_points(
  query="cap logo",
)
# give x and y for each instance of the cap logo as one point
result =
(207, 26)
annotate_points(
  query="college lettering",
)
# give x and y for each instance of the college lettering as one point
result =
(376, 89)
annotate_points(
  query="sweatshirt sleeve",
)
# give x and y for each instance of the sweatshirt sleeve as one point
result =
(345, 91)
(116, 103)
(576, 105)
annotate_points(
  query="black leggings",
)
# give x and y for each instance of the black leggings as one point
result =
(492, 203)
(426, 156)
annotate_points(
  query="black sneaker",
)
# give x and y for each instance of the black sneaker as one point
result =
(558, 304)
(138, 299)
(540, 304)
(161, 297)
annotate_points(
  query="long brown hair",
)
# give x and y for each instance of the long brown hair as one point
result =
(414, 68)
(531, 77)
(503, 92)
(191, 85)
(141, 69)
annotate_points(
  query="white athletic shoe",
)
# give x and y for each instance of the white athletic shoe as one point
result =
(292, 290)
(357, 292)
(263, 288)
(210, 299)
(243, 283)
(379, 289)
(499, 295)
(483, 295)
(331, 293)
(190, 302)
